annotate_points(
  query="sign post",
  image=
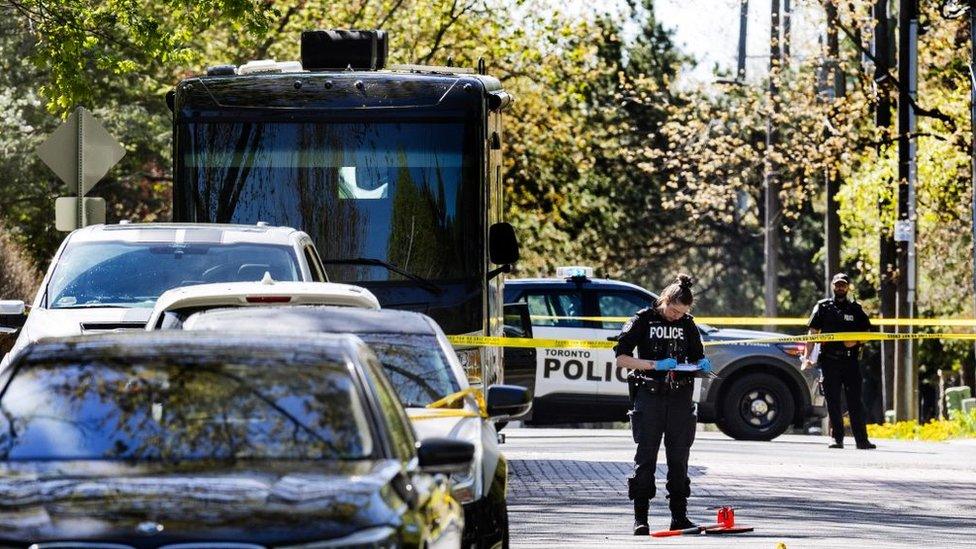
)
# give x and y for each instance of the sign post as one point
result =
(80, 152)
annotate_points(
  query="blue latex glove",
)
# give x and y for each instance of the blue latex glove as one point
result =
(665, 364)
(705, 365)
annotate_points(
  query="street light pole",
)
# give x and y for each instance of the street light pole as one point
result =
(887, 250)
(836, 79)
(906, 378)
(972, 151)
(771, 175)
(743, 25)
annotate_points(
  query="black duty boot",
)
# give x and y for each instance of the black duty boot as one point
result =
(837, 444)
(682, 523)
(640, 518)
(679, 514)
(865, 445)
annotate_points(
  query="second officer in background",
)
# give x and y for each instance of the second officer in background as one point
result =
(664, 336)
(838, 360)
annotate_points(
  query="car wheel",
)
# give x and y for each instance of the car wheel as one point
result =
(756, 407)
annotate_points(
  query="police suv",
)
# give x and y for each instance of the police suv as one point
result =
(760, 390)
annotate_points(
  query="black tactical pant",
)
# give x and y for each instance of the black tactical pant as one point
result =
(669, 413)
(842, 377)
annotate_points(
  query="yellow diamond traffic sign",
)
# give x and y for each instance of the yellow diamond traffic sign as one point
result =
(81, 151)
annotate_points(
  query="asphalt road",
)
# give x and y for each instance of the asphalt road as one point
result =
(568, 489)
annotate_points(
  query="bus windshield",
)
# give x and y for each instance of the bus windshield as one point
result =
(401, 192)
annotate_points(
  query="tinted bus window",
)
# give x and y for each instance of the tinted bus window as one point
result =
(405, 193)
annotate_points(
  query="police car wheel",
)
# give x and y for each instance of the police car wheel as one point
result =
(757, 406)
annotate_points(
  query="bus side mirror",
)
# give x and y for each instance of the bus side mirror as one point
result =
(503, 247)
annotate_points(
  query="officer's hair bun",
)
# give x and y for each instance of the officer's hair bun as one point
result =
(678, 291)
(684, 281)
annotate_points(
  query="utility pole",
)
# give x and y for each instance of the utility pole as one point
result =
(906, 375)
(972, 121)
(832, 218)
(787, 23)
(770, 175)
(740, 74)
(887, 252)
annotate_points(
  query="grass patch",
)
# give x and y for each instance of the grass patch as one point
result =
(959, 425)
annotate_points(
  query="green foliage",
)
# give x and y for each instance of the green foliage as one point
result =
(959, 425)
(84, 45)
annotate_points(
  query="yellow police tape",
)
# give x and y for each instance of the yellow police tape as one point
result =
(522, 342)
(444, 407)
(777, 321)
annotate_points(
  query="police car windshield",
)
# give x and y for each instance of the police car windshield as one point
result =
(135, 274)
(404, 193)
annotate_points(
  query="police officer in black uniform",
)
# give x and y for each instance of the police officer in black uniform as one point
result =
(665, 336)
(838, 360)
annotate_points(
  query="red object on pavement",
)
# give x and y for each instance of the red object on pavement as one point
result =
(725, 524)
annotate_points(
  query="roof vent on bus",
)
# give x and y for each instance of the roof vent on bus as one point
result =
(340, 49)
(269, 66)
(222, 70)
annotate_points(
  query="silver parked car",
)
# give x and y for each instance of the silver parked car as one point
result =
(760, 390)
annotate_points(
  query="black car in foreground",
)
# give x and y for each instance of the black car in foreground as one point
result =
(190, 439)
(423, 368)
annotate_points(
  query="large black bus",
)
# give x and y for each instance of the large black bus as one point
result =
(395, 173)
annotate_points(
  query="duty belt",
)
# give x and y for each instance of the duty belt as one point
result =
(848, 354)
(671, 382)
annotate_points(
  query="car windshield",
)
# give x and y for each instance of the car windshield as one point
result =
(128, 274)
(415, 365)
(159, 410)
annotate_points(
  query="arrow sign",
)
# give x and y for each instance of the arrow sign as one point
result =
(80, 152)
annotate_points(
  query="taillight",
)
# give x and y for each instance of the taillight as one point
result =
(268, 298)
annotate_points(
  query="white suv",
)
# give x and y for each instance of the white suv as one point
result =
(108, 277)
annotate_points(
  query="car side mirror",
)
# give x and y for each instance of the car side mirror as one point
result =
(517, 321)
(12, 316)
(503, 246)
(507, 402)
(444, 455)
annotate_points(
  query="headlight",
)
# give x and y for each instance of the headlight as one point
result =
(792, 349)
(463, 484)
(382, 537)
